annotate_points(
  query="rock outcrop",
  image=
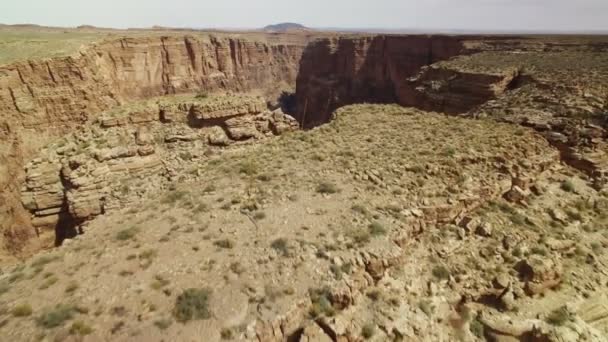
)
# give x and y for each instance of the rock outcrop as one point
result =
(100, 167)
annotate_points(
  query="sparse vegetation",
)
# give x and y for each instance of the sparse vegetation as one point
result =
(192, 304)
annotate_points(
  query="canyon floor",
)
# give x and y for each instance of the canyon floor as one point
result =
(155, 188)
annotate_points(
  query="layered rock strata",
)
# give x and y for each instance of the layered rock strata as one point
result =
(129, 152)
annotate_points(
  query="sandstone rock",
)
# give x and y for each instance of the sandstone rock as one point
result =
(218, 137)
(143, 136)
(229, 306)
(539, 273)
(484, 229)
(516, 195)
(314, 333)
(241, 128)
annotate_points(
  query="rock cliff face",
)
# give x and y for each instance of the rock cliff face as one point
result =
(42, 100)
(340, 71)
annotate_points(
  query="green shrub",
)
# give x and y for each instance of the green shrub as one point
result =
(56, 316)
(192, 304)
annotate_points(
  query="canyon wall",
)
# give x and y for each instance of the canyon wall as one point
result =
(42, 100)
(346, 70)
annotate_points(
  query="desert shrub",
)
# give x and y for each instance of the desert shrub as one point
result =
(201, 95)
(227, 334)
(360, 209)
(568, 186)
(44, 260)
(264, 177)
(360, 236)
(376, 228)
(56, 316)
(80, 328)
(321, 305)
(159, 282)
(441, 272)
(259, 215)
(163, 324)
(559, 316)
(173, 196)
(126, 234)
(192, 304)
(224, 243)
(248, 167)
(281, 246)
(73, 286)
(477, 328)
(22, 310)
(4, 287)
(368, 331)
(327, 188)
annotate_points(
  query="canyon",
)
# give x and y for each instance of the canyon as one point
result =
(306, 186)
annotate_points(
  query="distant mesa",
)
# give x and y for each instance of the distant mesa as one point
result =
(286, 27)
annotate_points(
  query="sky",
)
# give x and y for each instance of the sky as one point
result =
(477, 15)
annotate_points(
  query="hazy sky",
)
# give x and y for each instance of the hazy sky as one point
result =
(426, 14)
